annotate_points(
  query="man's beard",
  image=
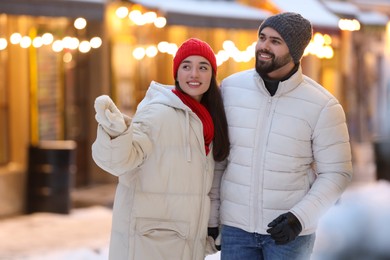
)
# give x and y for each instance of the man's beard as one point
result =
(265, 67)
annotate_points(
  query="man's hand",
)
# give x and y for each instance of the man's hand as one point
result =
(284, 228)
(214, 233)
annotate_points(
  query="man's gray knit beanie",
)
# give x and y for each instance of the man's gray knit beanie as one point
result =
(295, 30)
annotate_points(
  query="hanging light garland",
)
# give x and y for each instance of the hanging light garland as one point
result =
(320, 46)
(138, 16)
(57, 45)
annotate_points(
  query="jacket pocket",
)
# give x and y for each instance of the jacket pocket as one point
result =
(159, 239)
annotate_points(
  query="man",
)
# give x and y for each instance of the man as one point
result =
(290, 156)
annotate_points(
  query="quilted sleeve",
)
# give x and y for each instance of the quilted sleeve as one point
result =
(123, 153)
(215, 193)
(332, 157)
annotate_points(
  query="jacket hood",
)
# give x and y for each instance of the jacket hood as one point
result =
(162, 94)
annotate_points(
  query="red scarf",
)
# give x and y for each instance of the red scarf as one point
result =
(203, 114)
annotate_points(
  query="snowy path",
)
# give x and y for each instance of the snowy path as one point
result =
(362, 215)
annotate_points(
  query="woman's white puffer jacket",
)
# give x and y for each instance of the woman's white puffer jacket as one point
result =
(162, 204)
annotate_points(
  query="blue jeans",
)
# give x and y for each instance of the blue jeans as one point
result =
(238, 244)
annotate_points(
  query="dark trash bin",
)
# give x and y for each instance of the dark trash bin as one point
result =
(51, 166)
(382, 159)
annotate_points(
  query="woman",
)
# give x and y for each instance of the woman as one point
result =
(164, 158)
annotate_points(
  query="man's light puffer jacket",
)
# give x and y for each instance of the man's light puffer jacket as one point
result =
(289, 152)
(162, 203)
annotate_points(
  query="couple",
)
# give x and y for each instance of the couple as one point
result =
(247, 168)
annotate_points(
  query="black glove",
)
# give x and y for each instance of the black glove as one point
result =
(214, 232)
(284, 228)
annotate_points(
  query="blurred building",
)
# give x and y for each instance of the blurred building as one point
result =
(54, 64)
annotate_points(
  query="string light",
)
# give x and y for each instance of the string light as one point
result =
(3, 43)
(122, 12)
(71, 43)
(37, 42)
(229, 51)
(139, 53)
(68, 42)
(349, 25)
(320, 46)
(140, 18)
(84, 46)
(80, 23)
(47, 38)
(57, 46)
(25, 42)
(96, 42)
(151, 51)
(15, 38)
(67, 58)
(160, 22)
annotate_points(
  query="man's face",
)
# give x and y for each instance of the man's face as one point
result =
(272, 54)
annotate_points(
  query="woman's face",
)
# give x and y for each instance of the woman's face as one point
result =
(194, 76)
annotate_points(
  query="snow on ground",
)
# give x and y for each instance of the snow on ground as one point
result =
(83, 234)
(357, 226)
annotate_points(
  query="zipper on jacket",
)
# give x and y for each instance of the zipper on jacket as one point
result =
(263, 137)
(269, 104)
(188, 148)
(201, 212)
(197, 238)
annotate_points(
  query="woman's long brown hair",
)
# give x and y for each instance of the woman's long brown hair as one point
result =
(212, 100)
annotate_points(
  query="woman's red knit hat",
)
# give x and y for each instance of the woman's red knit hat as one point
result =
(194, 46)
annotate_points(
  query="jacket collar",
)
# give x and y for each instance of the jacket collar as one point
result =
(287, 85)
